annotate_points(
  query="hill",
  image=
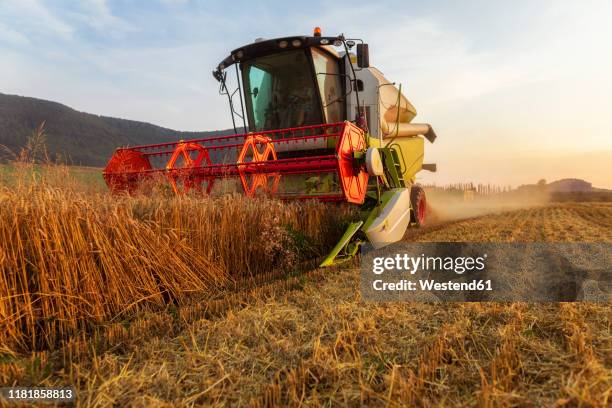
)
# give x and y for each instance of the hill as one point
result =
(81, 138)
(569, 185)
(567, 190)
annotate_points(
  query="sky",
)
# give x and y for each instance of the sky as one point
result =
(516, 91)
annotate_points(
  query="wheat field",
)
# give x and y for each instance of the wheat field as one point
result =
(72, 259)
(154, 301)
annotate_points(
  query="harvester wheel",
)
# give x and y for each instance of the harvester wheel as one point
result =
(419, 206)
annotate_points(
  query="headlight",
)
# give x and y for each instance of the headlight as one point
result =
(296, 43)
(283, 44)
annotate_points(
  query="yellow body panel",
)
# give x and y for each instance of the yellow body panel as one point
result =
(410, 150)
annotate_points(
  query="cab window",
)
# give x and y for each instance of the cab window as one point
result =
(329, 81)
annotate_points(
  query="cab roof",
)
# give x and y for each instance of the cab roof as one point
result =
(266, 47)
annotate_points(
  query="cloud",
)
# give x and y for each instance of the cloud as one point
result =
(98, 15)
(12, 37)
(435, 62)
(174, 2)
(153, 63)
(34, 17)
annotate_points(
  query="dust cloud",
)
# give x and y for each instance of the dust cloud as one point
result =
(446, 206)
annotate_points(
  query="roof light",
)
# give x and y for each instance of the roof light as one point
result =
(338, 42)
(324, 41)
(240, 54)
(296, 43)
(283, 44)
(317, 31)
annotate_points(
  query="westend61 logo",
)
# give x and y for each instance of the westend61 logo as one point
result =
(412, 264)
(464, 271)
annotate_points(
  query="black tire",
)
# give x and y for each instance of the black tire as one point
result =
(418, 201)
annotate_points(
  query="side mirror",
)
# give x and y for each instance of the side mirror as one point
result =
(363, 56)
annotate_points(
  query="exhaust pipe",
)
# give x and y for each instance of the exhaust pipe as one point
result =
(430, 167)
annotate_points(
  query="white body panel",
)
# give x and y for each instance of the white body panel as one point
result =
(391, 224)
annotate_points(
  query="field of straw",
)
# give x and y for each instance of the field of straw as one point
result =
(187, 302)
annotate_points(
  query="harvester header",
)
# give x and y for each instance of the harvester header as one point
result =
(252, 159)
(317, 123)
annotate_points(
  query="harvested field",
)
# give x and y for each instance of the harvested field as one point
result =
(309, 339)
(554, 222)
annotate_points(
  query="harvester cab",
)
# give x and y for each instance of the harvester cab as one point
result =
(318, 122)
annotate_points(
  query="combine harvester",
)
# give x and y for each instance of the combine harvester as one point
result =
(322, 124)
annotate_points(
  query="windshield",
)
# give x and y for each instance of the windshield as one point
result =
(281, 91)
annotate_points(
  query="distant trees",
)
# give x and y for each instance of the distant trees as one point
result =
(479, 189)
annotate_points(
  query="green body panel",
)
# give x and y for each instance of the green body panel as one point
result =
(343, 243)
(392, 166)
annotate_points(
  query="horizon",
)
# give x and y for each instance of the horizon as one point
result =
(516, 92)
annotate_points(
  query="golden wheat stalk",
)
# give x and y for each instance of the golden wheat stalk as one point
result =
(70, 259)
